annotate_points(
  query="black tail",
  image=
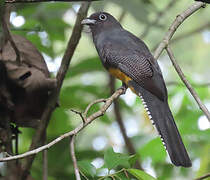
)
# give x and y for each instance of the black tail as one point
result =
(161, 116)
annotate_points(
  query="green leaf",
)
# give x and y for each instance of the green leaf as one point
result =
(87, 168)
(153, 149)
(133, 159)
(140, 175)
(113, 159)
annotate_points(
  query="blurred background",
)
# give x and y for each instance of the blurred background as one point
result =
(49, 25)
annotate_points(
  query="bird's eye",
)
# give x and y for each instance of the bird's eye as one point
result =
(102, 17)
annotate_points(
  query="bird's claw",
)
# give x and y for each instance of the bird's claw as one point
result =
(124, 87)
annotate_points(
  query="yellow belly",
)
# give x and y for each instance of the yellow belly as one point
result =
(119, 75)
(122, 76)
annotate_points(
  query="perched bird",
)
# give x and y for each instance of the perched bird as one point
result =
(128, 58)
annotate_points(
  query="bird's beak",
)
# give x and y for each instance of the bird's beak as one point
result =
(88, 21)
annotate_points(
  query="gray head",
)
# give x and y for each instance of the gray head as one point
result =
(101, 21)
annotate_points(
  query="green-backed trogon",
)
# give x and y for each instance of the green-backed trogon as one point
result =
(128, 58)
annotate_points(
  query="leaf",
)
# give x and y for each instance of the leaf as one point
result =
(87, 168)
(140, 175)
(133, 159)
(113, 159)
(153, 149)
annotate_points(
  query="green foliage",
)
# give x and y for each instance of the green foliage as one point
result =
(140, 175)
(87, 168)
(153, 149)
(112, 159)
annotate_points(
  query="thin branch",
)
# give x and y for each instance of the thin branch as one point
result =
(91, 104)
(203, 177)
(157, 18)
(72, 44)
(91, 118)
(188, 34)
(177, 22)
(36, 1)
(73, 156)
(83, 175)
(119, 120)
(45, 165)
(190, 88)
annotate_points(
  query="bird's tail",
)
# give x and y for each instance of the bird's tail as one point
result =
(161, 117)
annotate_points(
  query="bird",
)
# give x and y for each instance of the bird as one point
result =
(128, 59)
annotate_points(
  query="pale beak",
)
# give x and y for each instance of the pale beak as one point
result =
(88, 21)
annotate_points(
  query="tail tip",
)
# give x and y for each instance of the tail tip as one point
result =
(185, 164)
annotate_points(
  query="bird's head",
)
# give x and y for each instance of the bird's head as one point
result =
(101, 21)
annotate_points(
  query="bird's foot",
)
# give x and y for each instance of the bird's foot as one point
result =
(124, 87)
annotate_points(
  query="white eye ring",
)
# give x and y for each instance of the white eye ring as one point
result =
(102, 17)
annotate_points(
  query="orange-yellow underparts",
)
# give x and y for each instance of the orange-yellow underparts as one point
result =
(119, 75)
(122, 76)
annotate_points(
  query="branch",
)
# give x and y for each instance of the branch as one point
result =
(91, 104)
(157, 18)
(44, 160)
(190, 88)
(89, 119)
(36, 1)
(203, 177)
(76, 169)
(45, 165)
(177, 22)
(72, 44)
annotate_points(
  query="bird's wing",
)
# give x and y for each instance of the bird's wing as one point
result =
(135, 65)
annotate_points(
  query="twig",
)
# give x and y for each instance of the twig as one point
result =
(187, 34)
(83, 175)
(79, 113)
(91, 118)
(203, 177)
(157, 18)
(45, 165)
(73, 156)
(177, 22)
(119, 120)
(91, 104)
(190, 88)
(35, 1)
(72, 44)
